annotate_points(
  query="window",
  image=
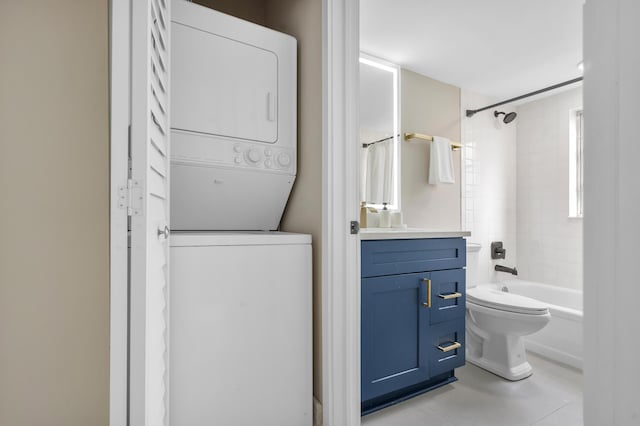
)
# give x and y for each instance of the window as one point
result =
(576, 163)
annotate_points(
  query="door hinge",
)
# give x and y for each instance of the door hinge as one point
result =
(355, 227)
(130, 197)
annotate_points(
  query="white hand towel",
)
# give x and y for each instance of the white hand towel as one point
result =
(441, 161)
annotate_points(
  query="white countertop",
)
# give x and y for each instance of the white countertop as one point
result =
(408, 233)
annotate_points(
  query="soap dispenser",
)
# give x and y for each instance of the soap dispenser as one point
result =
(385, 216)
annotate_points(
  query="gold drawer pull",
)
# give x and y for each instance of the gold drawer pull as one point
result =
(454, 345)
(428, 303)
(453, 295)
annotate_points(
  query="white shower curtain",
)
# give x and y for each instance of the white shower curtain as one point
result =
(377, 183)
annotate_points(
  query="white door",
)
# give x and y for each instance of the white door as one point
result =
(149, 264)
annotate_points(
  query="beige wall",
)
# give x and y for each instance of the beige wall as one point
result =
(433, 108)
(303, 20)
(249, 10)
(54, 214)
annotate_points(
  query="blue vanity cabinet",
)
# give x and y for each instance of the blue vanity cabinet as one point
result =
(412, 317)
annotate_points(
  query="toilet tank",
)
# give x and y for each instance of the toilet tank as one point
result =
(473, 267)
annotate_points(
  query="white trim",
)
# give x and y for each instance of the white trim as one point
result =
(119, 146)
(611, 211)
(340, 192)
(576, 143)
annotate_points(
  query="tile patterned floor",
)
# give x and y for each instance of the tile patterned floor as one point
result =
(551, 396)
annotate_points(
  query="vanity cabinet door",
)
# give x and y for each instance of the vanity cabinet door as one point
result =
(394, 325)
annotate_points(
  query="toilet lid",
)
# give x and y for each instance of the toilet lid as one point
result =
(504, 301)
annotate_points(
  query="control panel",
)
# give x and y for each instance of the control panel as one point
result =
(218, 151)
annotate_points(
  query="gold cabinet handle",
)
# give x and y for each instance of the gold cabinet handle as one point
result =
(453, 295)
(454, 345)
(428, 303)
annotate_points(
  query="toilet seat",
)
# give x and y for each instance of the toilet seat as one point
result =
(503, 301)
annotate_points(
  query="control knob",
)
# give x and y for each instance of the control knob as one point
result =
(253, 156)
(284, 159)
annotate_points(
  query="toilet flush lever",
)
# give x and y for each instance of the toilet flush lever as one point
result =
(427, 304)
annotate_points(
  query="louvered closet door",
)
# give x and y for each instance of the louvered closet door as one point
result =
(150, 216)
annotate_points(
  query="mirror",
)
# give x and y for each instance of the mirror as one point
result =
(379, 138)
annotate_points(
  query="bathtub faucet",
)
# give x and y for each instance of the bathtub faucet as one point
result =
(512, 271)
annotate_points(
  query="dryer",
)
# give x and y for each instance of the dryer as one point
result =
(233, 121)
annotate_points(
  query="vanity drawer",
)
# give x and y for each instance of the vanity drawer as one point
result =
(390, 257)
(448, 295)
(446, 346)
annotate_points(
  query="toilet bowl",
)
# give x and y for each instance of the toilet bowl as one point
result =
(496, 322)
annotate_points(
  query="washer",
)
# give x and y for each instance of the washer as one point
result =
(240, 329)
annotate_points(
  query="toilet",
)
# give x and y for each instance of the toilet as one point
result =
(496, 322)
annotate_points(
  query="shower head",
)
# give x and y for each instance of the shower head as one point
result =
(508, 117)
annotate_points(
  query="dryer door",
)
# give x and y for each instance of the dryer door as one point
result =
(222, 86)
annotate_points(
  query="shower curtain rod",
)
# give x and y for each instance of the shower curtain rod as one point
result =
(366, 145)
(471, 112)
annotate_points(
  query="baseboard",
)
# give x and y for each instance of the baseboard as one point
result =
(375, 404)
(317, 412)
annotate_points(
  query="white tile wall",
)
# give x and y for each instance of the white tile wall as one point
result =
(549, 243)
(489, 185)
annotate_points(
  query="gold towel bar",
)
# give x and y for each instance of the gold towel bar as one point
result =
(409, 136)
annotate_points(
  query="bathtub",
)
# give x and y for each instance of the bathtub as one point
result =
(561, 339)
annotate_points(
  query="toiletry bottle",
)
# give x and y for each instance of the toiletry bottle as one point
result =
(363, 214)
(385, 217)
(373, 218)
(396, 219)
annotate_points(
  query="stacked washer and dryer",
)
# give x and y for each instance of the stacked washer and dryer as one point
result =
(240, 292)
